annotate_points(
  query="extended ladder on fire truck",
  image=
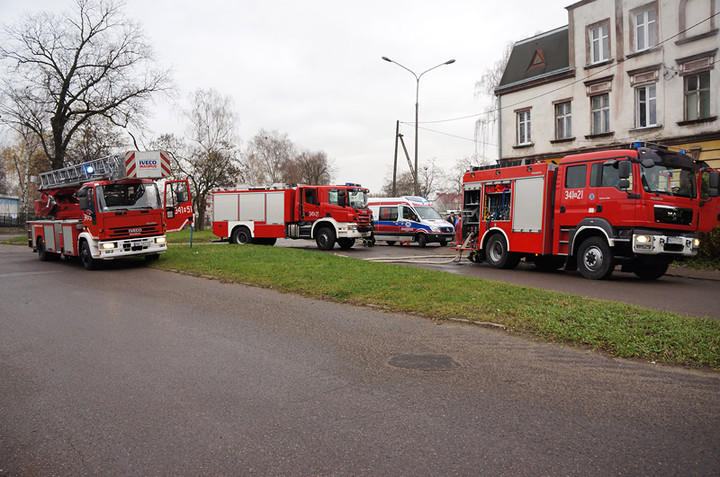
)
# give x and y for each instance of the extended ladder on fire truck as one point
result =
(109, 167)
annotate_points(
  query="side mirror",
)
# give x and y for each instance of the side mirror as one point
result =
(624, 184)
(84, 203)
(714, 183)
(342, 198)
(170, 212)
(624, 169)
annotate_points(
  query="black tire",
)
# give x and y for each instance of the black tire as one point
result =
(241, 236)
(390, 242)
(549, 263)
(325, 238)
(595, 259)
(421, 240)
(86, 257)
(43, 254)
(650, 269)
(346, 243)
(497, 254)
(443, 242)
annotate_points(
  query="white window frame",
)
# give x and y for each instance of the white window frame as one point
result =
(523, 128)
(599, 43)
(646, 106)
(563, 120)
(694, 97)
(601, 113)
(645, 36)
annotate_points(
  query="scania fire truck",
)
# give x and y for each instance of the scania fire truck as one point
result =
(261, 215)
(639, 207)
(109, 208)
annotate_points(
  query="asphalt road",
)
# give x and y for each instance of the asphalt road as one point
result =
(685, 291)
(134, 371)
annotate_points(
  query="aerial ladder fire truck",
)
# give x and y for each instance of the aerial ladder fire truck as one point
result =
(639, 207)
(108, 209)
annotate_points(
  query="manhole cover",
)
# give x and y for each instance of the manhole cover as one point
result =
(424, 362)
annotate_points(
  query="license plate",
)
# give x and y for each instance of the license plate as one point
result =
(675, 240)
(136, 244)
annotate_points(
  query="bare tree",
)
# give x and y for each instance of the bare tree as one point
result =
(209, 155)
(63, 70)
(309, 168)
(268, 155)
(486, 125)
(428, 178)
(96, 138)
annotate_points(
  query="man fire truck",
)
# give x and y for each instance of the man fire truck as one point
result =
(108, 208)
(638, 207)
(328, 214)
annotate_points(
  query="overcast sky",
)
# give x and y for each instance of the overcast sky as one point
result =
(313, 69)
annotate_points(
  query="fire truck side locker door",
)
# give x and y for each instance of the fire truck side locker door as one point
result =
(177, 205)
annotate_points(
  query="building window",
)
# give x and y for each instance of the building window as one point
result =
(563, 120)
(523, 127)
(697, 96)
(599, 41)
(645, 106)
(600, 109)
(645, 29)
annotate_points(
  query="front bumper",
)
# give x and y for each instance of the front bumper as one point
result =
(657, 244)
(115, 249)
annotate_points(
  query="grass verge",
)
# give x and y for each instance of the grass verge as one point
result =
(618, 329)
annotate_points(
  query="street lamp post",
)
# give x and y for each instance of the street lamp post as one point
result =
(417, 105)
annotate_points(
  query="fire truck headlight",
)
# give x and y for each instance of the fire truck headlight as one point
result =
(108, 245)
(643, 242)
(696, 243)
(642, 239)
(160, 239)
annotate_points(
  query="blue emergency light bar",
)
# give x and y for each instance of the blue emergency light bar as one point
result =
(350, 184)
(89, 169)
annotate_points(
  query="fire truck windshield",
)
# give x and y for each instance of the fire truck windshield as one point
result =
(669, 180)
(128, 196)
(357, 198)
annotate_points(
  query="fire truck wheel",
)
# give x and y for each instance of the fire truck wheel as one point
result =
(346, 243)
(497, 254)
(650, 269)
(325, 238)
(240, 236)
(595, 259)
(43, 254)
(87, 260)
(421, 240)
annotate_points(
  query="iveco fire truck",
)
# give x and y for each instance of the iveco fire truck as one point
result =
(108, 208)
(638, 207)
(261, 215)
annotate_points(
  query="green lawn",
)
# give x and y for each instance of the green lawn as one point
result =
(615, 328)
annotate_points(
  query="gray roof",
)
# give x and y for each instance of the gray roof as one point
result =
(536, 58)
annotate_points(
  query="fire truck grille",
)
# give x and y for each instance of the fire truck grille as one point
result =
(129, 232)
(673, 215)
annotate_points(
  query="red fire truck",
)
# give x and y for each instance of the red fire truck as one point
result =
(639, 207)
(108, 208)
(328, 214)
